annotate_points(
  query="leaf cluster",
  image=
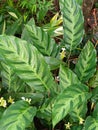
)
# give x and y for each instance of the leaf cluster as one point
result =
(38, 74)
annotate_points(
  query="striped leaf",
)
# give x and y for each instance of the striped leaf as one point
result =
(71, 98)
(40, 39)
(78, 114)
(10, 80)
(86, 65)
(28, 64)
(18, 116)
(94, 80)
(16, 87)
(67, 77)
(72, 23)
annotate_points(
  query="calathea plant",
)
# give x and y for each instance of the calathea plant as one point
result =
(26, 72)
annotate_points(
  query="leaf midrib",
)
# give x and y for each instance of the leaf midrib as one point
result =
(23, 60)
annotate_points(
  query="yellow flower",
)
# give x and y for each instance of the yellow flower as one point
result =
(10, 100)
(68, 125)
(81, 120)
(3, 102)
(62, 54)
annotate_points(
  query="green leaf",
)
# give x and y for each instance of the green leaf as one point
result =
(91, 123)
(69, 99)
(67, 77)
(79, 112)
(18, 116)
(77, 127)
(1, 111)
(72, 23)
(95, 112)
(30, 22)
(54, 27)
(95, 95)
(13, 15)
(86, 65)
(28, 64)
(94, 80)
(80, 2)
(13, 28)
(10, 80)
(45, 110)
(53, 63)
(41, 40)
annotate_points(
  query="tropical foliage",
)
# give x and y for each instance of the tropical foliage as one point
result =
(39, 79)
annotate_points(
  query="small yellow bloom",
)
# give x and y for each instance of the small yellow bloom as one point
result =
(3, 102)
(81, 120)
(62, 54)
(10, 100)
(68, 125)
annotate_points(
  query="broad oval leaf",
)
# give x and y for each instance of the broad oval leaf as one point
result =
(91, 123)
(72, 23)
(70, 98)
(18, 116)
(41, 40)
(67, 77)
(86, 65)
(28, 64)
